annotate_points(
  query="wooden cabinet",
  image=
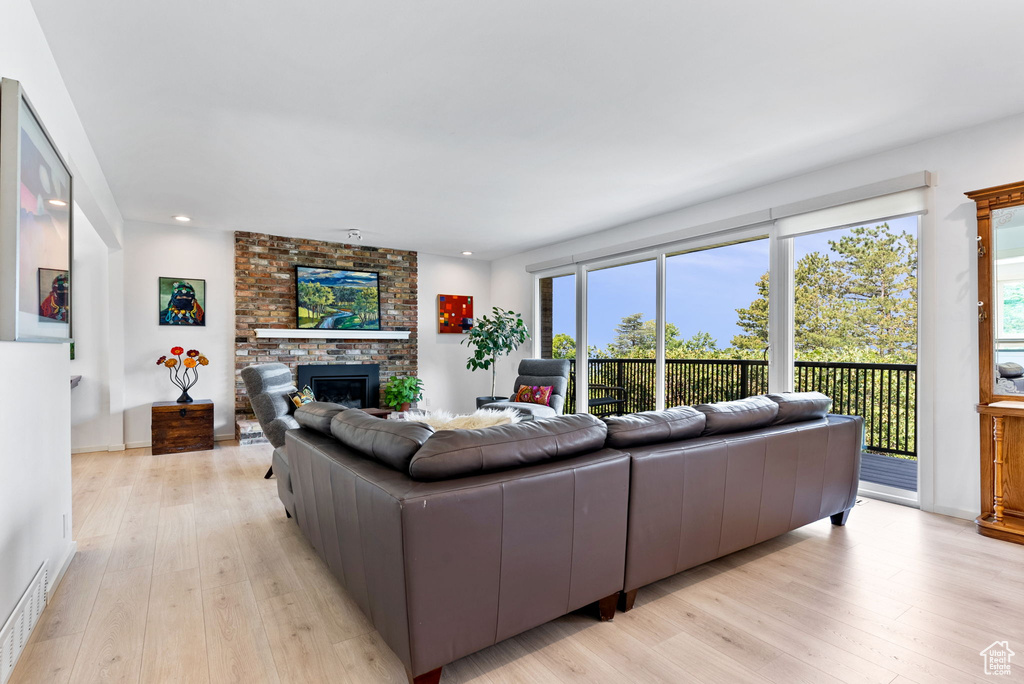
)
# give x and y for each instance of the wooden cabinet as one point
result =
(1000, 244)
(182, 427)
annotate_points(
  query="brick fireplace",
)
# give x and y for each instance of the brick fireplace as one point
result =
(265, 298)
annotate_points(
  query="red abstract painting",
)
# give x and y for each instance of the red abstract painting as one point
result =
(454, 313)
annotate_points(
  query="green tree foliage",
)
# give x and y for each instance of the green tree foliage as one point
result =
(367, 305)
(1013, 309)
(563, 347)
(315, 297)
(860, 296)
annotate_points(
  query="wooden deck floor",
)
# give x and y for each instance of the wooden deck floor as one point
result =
(886, 470)
(188, 571)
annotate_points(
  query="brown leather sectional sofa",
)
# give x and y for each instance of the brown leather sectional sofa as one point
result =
(455, 540)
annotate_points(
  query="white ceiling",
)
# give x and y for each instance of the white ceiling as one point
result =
(502, 126)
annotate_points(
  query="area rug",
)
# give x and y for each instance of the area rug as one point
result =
(481, 418)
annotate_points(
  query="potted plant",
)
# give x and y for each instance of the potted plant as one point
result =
(492, 337)
(400, 392)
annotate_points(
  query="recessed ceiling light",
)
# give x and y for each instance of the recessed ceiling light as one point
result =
(58, 203)
(183, 219)
(467, 254)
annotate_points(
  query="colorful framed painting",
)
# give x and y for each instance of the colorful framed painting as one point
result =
(336, 299)
(182, 301)
(55, 294)
(454, 313)
(35, 226)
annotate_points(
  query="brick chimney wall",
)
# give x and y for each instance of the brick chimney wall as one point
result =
(265, 298)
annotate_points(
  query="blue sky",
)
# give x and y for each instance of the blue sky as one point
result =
(704, 288)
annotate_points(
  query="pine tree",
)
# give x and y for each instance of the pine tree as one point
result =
(860, 297)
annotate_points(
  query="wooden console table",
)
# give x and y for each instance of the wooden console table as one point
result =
(1002, 472)
(182, 427)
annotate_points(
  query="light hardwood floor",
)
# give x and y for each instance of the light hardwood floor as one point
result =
(188, 571)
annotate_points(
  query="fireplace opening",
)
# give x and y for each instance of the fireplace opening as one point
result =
(351, 385)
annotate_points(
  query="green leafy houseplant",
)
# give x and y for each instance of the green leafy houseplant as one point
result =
(400, 391)
(493, 337)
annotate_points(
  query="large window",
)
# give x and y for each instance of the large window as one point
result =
(716, 323)
(815, 295)
(855, 333)
(622, 338)
(558, 317)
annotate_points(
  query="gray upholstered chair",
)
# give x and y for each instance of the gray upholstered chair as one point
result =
(268, 386)
(540, 372)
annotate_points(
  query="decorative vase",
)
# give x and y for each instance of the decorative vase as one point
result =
(184, 398)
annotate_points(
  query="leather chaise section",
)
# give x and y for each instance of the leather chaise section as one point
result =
(445, 569)
(696, 500)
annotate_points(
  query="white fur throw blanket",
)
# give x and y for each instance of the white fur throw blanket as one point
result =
(481, 418)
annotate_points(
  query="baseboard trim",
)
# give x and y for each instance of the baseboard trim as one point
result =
(88, 449)
(95, 449)
(65, 564)
(955, 512)
(147, 444)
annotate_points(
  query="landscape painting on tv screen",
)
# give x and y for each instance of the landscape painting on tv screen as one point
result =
(334, 299)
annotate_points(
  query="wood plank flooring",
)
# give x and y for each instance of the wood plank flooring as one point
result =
(188, 571)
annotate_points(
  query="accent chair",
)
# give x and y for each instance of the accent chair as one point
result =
(268, 386)
(540, 373)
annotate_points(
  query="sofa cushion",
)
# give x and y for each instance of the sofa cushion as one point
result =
(317, 415)
(795, 407)
(653, 427)
(392, 442)
(457, 453)
(734, 416)
(1011, 370)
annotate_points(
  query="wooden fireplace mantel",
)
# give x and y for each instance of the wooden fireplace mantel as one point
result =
(318, 334)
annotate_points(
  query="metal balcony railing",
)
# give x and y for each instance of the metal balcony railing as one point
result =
(885, 394)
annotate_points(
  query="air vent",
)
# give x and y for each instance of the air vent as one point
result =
(19, 626)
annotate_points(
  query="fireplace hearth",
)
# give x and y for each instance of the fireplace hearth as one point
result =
(351, 385)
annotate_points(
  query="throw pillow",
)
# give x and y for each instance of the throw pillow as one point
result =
(527, 394)
(303, 396)
(1011, 370)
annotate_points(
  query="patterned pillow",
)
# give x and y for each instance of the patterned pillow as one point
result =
(534, 395)
(303, 396)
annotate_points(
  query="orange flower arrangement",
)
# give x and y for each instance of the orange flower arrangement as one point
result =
(183, 379)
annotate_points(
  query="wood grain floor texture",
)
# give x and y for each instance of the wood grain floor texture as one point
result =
(188, 571)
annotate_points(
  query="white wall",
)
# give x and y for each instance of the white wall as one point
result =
(178, 252)
(974, 158)
(35, 457)
(35, 460)
(448, 384)
(90, 401)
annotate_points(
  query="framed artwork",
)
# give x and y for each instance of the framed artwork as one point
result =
(54, 294)
(336, 299)
(454, 313)
(182, 301)
(35, 226)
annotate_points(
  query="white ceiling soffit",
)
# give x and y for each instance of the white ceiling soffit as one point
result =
(499, 127)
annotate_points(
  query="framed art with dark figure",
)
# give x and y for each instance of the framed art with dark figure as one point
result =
(182, 301)
(54, 294)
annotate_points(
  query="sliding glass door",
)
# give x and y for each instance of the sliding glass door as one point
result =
(622, 338)
(855, 330)
(716, 323)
